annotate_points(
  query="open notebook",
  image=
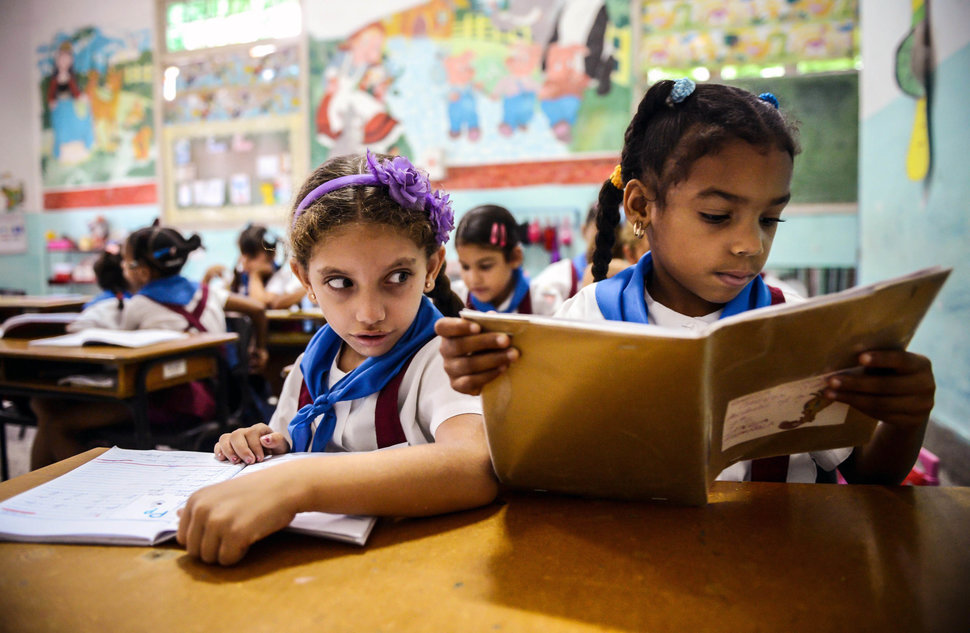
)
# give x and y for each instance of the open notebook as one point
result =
(131, 497)
(105, 336)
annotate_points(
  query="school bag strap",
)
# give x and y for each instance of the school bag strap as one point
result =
(771, 468)
(387, 418)
(193, 318)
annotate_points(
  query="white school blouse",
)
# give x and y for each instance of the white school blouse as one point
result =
(103, 314)
(142, 313)
(545, 301)
(425, 400)
(802, 467)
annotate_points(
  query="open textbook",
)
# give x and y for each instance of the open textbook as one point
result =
(131, 497)
(37, 324)
(635, 411)
(107, 336)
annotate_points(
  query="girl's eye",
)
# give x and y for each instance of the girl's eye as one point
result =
(715, 218)
(339, 283)
(771, 222)
(399, 277)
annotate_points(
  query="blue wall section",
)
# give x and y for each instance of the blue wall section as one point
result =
(906, 225)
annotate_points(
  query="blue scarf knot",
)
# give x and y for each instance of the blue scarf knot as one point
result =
(521, 290)
(367, 378)
(622, 298)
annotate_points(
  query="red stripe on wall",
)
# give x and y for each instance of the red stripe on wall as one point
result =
(563, 172)
(106, 196)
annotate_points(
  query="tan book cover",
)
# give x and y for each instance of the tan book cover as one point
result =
(633, 411)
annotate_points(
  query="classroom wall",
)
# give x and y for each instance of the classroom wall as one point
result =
(906, 224)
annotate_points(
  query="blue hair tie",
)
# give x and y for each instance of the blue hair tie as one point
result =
(683, 88)
(767, 97)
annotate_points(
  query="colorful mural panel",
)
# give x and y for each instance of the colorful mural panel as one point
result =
(476, 82)
(97, 122)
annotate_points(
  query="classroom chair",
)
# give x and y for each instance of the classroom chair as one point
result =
(12, 412)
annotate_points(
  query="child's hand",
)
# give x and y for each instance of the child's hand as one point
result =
(250, 445)
(220, 522)
(473, 359)
(896, 387)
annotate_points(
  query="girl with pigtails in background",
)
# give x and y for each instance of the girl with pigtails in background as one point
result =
(367, 240)
(705, 174)
(161, 298)
(490, 255)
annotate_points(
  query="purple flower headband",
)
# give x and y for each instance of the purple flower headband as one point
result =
(406, 185)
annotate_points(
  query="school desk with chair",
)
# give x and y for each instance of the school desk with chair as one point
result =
(113, 373)
(11, 305)
(760, 556)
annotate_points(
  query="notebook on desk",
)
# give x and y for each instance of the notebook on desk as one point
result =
(104, 336)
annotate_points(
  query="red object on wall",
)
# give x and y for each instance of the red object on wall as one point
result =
(145, 193)
(580, 171)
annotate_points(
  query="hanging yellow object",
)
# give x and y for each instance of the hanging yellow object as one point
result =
(918, 156)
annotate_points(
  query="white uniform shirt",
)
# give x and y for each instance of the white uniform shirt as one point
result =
(283, 281)
(425, 400)
(142, 313)
(545, 301)
(103, 314)
(801, 466)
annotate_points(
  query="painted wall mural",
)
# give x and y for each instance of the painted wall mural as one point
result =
(97, 123)
(474, 82)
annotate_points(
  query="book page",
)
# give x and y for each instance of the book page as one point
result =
(122, 496)
(104, 336)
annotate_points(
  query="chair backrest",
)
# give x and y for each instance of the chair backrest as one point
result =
(238, 354)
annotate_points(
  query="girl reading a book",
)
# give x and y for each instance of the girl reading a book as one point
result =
(490, 255)
(705, 174)
(368, 245)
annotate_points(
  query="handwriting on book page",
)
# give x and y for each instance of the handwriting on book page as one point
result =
(124, 485)
(789, 406)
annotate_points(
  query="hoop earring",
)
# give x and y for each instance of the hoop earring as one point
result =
(638, 231)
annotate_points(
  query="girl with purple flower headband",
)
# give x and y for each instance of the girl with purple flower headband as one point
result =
(367, 241)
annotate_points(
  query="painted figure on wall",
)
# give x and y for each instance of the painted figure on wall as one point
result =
(519, 87)
(561, 94)
(353, 112)
(462, 110)
(69, 112)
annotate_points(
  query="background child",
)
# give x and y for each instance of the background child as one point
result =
(705, 173)
(104, 310)
(368, 244)
(490, 257)
(258, 275)
(162, 299)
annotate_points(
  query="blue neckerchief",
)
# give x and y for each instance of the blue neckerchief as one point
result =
(521, 290)
(243, 284)
(621, 298)
(367, 378)
(175, 289)
(104, 295)
(579, 265)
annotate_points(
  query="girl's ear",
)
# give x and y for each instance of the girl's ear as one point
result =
(301, 275)
(638, 201)
(516, 257)
(435, 262)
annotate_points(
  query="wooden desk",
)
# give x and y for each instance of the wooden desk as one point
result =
(286, 340)
(31, 370)
(17, 304)
(760, 557)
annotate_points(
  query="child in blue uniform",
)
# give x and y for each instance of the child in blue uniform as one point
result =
(704, 174)
(368, 244)
(490, 256)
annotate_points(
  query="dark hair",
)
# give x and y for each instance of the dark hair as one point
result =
(368, 204)
(491, 226)
(256, 239)
(162, 249)
(663, 141)
(110, 275)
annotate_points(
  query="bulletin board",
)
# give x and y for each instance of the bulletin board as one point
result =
(233, 171)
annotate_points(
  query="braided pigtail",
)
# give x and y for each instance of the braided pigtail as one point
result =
(443, 297)
(607, 217)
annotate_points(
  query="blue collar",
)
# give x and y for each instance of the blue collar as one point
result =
(367, 378)
(175, 289)
(521, 290)
(621, 297)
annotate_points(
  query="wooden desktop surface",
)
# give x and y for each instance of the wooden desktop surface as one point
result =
(18, 358)
(765, 557)
(41, 303)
